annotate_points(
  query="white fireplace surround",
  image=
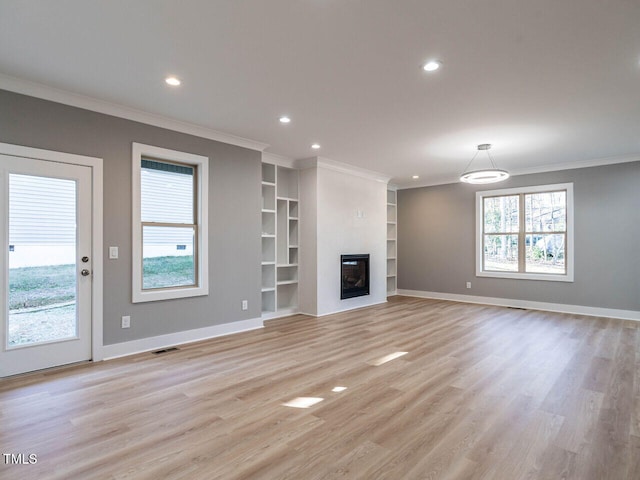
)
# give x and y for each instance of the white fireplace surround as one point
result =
(343, 211)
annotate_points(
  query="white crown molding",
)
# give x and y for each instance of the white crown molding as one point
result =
(46, 92)
(596, 162)
(279, 160)
(510, 302)
(321, 162)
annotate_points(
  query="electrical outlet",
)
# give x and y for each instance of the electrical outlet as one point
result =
(468, 284)
(245, 305)
(126, 321)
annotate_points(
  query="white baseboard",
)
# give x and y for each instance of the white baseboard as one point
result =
(344, 309)
(178, 338)
(285, 312)
(509, 302)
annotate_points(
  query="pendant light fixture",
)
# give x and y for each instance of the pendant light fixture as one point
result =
(485, 175)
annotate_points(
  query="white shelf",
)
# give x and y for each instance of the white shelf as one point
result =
(280, 208)
(392, 286)
(268, 282)
(392, 236)
(268, 301)
(269, 173)
(286, 183)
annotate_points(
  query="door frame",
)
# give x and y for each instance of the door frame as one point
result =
(96, 228)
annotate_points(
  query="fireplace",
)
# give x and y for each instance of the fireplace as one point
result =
(354, 275)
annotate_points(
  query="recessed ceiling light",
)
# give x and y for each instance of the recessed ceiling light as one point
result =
(415, 177)
(173, 81)
(284, 119)
(338, 389)
(316, 146)
(431, 66)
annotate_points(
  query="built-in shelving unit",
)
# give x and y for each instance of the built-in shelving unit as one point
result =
(280, 230)
(268, 238)
(392, 242)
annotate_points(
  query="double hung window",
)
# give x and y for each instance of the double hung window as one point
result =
(169, 224)
(525, 233)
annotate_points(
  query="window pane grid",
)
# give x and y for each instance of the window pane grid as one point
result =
(169, 256)
(500, 252)
(167, 192)
(537, 221)
(546, 211)
(546, 253)
(168, 224)
(501, 214)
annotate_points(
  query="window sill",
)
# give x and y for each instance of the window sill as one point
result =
(527, 276)
(169, 294)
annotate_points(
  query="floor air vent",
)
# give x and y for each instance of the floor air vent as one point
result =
(165, 350)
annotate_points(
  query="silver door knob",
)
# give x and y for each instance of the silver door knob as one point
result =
(84, 272)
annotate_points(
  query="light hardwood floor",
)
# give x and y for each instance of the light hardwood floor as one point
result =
(482, 393)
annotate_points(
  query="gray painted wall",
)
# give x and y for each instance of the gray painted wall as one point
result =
(436, 240)
(234, 212)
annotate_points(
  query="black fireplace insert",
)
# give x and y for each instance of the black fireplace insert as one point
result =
(354, 275)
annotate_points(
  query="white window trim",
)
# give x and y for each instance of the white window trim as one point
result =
(569, 251)
(202, 282)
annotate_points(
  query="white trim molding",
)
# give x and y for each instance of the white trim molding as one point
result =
(279, 160)
(142, 345)
(65, 97)
(284, 312)
(343, 310)
(595, 162)
(528, 304)
(139, 294)
(569, 247)
(321, 162)
(97, 227)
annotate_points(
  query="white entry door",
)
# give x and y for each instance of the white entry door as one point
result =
(45, 266)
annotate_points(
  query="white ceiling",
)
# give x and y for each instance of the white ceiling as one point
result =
(547, 82)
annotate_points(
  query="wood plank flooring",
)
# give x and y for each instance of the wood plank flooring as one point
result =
(482, 393)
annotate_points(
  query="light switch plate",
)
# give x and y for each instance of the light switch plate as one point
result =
(113, 253)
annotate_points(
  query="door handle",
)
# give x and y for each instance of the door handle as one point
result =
(84, 272)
